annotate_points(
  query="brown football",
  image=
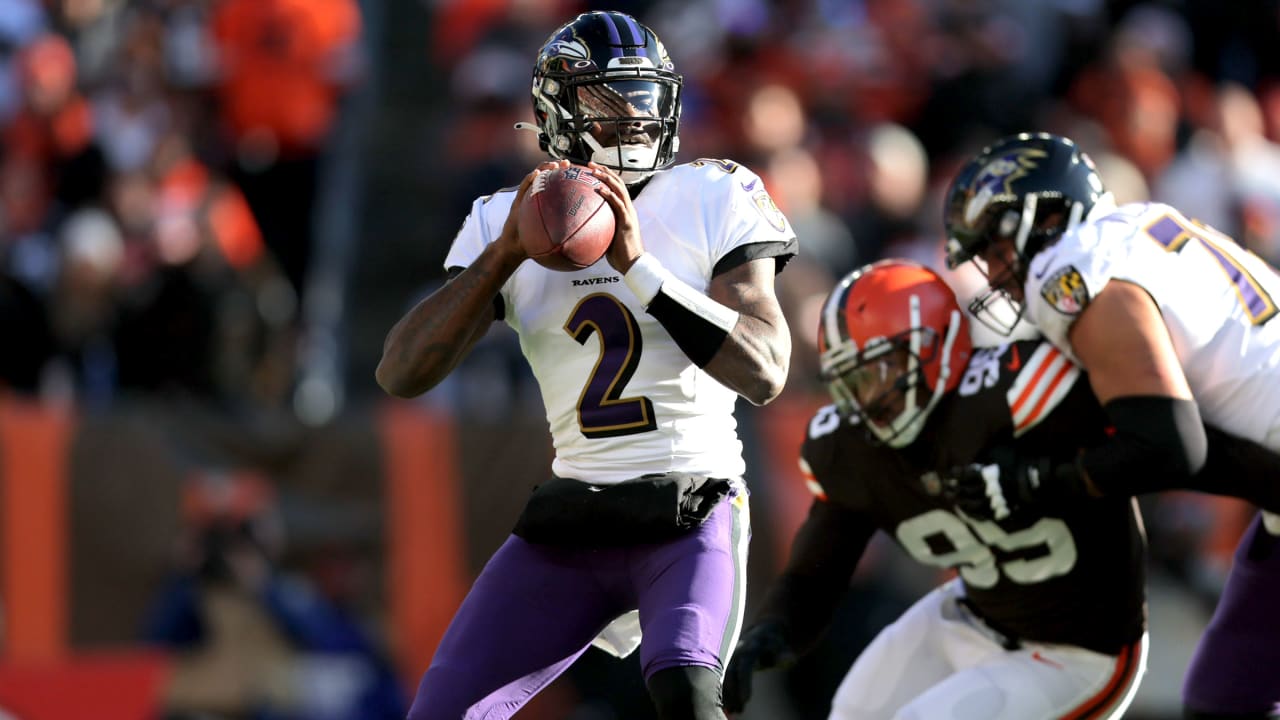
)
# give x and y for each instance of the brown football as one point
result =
(564, 223)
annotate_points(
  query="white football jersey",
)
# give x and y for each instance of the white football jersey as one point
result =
(1218, 301)
(622, 399)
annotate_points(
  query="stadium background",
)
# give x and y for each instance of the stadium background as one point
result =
(211, 211)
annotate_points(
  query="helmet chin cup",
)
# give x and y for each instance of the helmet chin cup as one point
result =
(632, 162)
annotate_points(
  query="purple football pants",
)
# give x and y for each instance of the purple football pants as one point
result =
(1236, 666)
(536, 608)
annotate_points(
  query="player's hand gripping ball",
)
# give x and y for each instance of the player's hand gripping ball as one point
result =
(564, 223)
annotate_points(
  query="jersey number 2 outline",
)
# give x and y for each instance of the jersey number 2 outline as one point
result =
(602, 410)
(1173, 231)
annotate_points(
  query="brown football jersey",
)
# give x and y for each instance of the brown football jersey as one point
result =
(1068, 574)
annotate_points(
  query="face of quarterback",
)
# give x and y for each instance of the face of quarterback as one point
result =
(634, 99)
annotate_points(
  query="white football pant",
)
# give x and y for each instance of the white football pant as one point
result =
(940, 661)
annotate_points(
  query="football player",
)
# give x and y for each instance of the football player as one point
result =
(642, 529)
(1045, 618)
(1173, 321)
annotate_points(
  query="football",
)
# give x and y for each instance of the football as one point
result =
(564, 223)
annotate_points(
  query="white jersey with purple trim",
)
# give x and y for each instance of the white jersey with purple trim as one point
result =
(1218, 301)
(622, 399)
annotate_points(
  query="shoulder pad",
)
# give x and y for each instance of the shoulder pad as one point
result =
(1043, 378)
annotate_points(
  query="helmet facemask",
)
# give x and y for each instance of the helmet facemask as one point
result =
(1040, 221)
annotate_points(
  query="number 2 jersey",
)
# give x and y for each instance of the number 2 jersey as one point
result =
(1218, 301)
(622, 399)
(1072, 575)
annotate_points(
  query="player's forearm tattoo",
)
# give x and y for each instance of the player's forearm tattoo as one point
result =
(443, 325)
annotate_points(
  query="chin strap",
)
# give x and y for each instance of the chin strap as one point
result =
(526, 126)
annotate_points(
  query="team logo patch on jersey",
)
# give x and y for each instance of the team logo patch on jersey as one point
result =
(770, 211)
(1065, 291)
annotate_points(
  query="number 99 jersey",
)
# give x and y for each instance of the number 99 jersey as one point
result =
(1074, 576)
(1218, 301)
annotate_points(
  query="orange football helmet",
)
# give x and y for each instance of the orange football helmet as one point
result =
(892, 342)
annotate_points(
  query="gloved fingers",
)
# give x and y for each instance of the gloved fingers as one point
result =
(995, 492)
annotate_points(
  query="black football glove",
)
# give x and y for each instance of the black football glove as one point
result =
(997, 490)
(761, 647)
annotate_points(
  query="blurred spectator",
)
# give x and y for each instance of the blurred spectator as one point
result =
(21, 21)
(1123, 179)
(210, 313)
(774, 120)
(1130, 93)
(250, 640)
(130, 106)
(897, 172)
(795, 182)
(1228, 175)
(82, 310)
(51, 136)
(284, 65)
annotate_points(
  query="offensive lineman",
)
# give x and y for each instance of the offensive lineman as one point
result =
(1173, 321)
(640, 360)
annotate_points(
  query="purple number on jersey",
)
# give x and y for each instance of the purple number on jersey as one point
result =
(602, 411)
(1173, 234)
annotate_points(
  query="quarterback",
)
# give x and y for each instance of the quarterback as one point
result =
(1174, 321)
(639, 535)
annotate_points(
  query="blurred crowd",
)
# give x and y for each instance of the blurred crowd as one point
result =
(161, 158)
(157, 177)
(162, 162)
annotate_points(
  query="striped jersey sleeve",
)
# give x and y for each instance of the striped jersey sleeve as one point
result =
(1042, 382)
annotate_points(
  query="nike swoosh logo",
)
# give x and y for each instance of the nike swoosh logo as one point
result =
(1015, 363)
(1040, 658)
(1044, 267)
(749, 186)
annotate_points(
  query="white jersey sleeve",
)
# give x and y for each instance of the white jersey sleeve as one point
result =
(751, 216)
(1218, 301)
(481, 227)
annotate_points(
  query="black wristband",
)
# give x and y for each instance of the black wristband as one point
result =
(698, 337)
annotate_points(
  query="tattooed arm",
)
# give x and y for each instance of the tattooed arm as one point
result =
(432, 338)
